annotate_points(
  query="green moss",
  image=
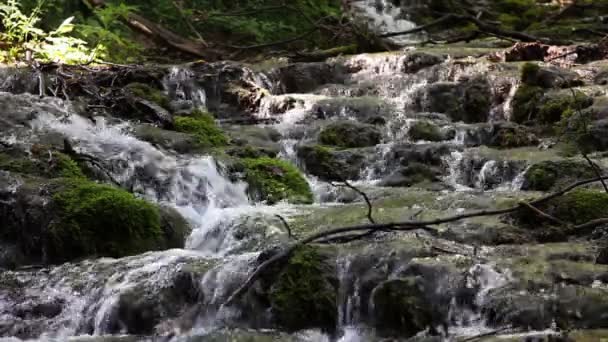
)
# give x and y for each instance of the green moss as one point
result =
(581, 206)
(525, 103)
(555, 109)
(302, 297)
(203, 126)
(55, 165)
(529, 71)
(146, 92)
(274, 180)
(424, 130)
(350, 134)
(95, 219)
(548, 175)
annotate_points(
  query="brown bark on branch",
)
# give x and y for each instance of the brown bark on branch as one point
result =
(159, 33)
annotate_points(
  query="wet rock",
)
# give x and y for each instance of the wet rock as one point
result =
(171, 140)
(548, 175)
(412, 174)
(417, 61)
(602, 257)
(549, 77)
(332, 165)
(601, 78)
(400, 307)
(350, 134)
(140, 313)
(261, 140)
(425, 130)
(19, 80)
(469, 101)
(303, 296)
(306, 77)
(429, 154)
(509, 135)
(361, 108)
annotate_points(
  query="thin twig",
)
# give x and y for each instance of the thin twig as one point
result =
(595, 169)
(370, 207)
(286, 224)
(543, 214)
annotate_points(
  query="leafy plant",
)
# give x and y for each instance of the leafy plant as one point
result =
(21, 35)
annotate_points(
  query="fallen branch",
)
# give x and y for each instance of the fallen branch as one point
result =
(285, 224)
(404, 226)
(370, 207)
(543, 214)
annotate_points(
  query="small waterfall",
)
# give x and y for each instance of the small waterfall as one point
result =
(384, 17)
(181, 86)
(467, 320)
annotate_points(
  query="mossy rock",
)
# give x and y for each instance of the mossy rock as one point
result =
(302, 297)
(273, 180)
(580, 206)
(149, 93)
(171, 140)
(549, 175)
(42, 163)
(525, 103)
(412, 174)
(400, 307)
(549, 77)
(203, 126)
(469, 101)
(94, 219)
(425, 130)
(510, 135)
(350, 134)
(329, 164)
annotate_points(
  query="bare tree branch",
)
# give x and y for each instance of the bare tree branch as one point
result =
(286, 224)
(543, 214)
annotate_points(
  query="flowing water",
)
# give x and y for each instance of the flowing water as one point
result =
(92, 292)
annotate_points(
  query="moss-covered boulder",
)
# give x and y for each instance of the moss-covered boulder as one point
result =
(202, 125)
(469, 101)
(525, 103)
(331, 165)
(548, 175)
(273, 180)
(412, 174)
(401, 308)
(95, 219)
(350, 134)
(580, 206)
(549, 77)
(426, 130)
(302, 296)
(510, 135)
(167, 139)
(41, 162)
(63, 219)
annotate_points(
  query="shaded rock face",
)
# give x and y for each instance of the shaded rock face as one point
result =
(501, 134)
(551, 77)
(350, 134)
(419, 60)
(550, 175)
(469, 101)
(332, 165)
(306, 77)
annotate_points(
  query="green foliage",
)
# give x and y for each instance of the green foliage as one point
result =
(22, 34)
(563, 107)
(519, 14)
(274, 180)
(203, 126)
(110, 36)
(100, 220)
(302, 297)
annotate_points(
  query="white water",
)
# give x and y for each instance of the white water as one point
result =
(384, 17)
